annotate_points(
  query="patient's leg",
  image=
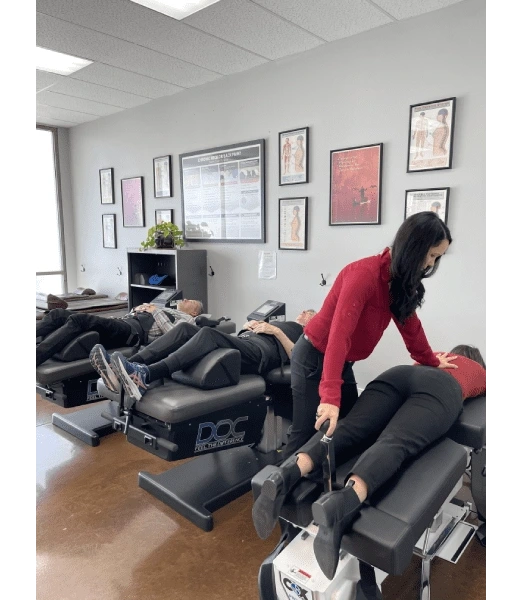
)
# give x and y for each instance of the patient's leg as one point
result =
(425, 416)
(205, 341)
(52, 321)
(160, 348)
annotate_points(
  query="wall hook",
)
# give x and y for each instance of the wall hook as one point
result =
(211, 274)
(323, 280)
(82, 268)
(118, 271)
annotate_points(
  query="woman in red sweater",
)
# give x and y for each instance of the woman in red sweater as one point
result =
(365, 297)
(398, 414)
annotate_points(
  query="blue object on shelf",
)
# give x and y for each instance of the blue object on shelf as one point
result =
(157, 279)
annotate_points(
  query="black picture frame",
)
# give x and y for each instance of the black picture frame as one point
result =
(232, 180)
(356, 185)
(161, 213)
(293, 223)
(295, 170)
(107, 186)
(109, 231)
(133, 203)
(430, 136)
(434, 199)
(162, 174)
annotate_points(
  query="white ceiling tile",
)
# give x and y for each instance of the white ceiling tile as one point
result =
(97, 93)
(77, 104)
(43, 111)
(252, 27)
(126, 81)
(73, 39)
(329, 19)
(403, 9)
(134, 23)
(45, 80)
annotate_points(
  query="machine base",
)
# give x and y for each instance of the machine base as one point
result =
(199, 487)
(88, 425)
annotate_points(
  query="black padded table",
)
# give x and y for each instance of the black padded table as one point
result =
(388, 527)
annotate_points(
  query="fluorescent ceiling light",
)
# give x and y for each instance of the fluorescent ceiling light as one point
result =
(177, 9)
(56, 62)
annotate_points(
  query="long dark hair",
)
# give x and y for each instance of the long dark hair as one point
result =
(409, 250)
(471, 352)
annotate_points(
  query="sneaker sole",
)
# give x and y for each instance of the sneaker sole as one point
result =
(130, 387)
(104, 370)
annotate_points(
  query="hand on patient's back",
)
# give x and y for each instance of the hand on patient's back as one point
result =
(445, 361)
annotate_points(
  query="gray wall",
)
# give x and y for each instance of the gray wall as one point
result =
(352, 92)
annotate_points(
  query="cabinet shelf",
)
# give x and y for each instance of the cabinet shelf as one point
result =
(186, 270)
(148, 287)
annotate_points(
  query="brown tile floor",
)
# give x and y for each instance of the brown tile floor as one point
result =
(99, 536)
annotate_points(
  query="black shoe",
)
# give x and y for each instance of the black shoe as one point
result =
(276, 486)
(333, 512)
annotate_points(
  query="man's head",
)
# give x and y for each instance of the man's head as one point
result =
(304, 317)
(191, 307)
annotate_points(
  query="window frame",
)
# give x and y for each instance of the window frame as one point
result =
(61, 231)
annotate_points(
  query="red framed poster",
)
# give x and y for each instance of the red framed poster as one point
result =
(355, 185)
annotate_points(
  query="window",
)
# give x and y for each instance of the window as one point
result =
(51, 277)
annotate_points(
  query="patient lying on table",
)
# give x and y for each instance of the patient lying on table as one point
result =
(398, 414)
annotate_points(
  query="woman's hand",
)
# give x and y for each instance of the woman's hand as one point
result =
(445, 361)
(324, 413)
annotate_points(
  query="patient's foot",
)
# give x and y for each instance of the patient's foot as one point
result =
(134, 376)
(333, 512)
(101, 362)
(267, 507)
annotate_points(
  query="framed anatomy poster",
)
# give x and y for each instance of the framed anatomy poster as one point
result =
(293, 223)
(434, 199)
(223, 193)
(293, 156)
(430, 141)
(355, 185)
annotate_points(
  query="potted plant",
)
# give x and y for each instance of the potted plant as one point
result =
(163, 235)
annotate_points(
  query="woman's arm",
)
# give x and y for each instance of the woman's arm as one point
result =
(417, 344)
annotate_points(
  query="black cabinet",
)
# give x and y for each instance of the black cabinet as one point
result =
(184, 270)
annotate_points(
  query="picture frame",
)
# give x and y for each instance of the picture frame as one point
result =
(430, 138)
(223, 193)
(434, 199)
(356, 185)
(107, 186)
(164, 215)
(132, 198)
(162, 171)
(293, 223)
(293, 156)
(109, 231)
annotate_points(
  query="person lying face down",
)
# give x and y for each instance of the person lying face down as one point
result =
(404, 409)
(262, 347)
(141, 325)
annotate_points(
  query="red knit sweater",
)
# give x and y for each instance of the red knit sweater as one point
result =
(470, 376)
(353, 318)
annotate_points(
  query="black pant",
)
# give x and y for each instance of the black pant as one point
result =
(161, 347)
(208, 339)
(60, 326)
(397, 415)
(306, 371)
